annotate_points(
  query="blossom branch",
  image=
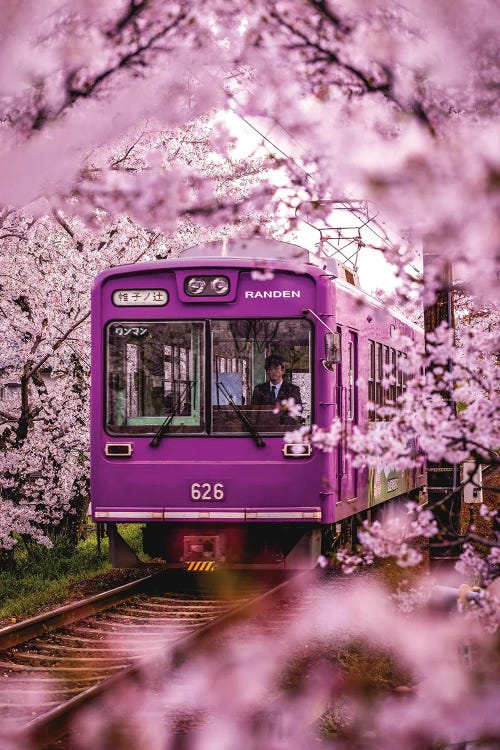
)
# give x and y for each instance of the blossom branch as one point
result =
(56, 345)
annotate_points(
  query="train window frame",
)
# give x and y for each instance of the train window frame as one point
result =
(153, 422)
(394, 375)
(372, 379)
(204, 392)
(352, 376)
(378, 395)
(255, 379)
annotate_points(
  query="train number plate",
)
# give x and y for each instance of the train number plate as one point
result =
(207, 492)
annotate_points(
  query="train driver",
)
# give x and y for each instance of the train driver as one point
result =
(275, 388)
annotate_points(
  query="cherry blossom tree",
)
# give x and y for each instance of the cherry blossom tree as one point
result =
(44, 358)
(390, 102)
(117, 144)
(45, 310)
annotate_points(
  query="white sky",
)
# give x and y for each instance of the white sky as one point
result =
(374, 271)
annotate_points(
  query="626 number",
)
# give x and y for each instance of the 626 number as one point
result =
(208, 492)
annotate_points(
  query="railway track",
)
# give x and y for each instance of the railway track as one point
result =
(54, 664)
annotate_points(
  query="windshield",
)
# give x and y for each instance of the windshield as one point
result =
(259, 364)
(158, 368)
(155, 369)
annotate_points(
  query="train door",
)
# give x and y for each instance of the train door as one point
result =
(347, 412)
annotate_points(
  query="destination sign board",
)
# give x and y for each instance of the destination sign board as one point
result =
(140, 297)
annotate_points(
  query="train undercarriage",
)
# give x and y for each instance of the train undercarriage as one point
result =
(237, 546)
(292, 546)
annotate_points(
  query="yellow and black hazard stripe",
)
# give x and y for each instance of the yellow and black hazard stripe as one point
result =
(201, 565)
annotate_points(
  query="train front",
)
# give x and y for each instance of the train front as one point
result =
(187, 431)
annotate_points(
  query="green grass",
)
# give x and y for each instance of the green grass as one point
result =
(45, 576)
(359, 670)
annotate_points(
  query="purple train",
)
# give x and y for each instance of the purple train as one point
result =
(186, 437)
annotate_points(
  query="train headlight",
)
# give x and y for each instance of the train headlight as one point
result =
(195, 285)
(297, 450)
(220, 285)
(206, 286)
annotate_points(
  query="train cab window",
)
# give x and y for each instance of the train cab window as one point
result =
(155, 369)
(240, 349)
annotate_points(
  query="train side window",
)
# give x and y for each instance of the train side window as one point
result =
(399, 375)
(385, 376)
(406, 375)
(352, 376)
(371, 379)
(385, 362)
(379, 393)
(393, 376)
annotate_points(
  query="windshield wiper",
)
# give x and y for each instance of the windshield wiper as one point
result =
(243, 417)
(163, 428)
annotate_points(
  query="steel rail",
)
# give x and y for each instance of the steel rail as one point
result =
(55, 723)
(14, 635)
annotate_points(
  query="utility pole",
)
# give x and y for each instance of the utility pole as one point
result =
(443, 479)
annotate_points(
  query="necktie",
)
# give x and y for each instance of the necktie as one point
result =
(274, 391)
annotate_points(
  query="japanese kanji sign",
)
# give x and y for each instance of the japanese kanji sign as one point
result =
(140, 297)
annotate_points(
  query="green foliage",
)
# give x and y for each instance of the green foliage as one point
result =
(366, 673)
(370, 668)
(359, 671)
(132, 533)
(43, 577)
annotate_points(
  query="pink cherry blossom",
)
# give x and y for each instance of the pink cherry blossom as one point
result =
(119, 143)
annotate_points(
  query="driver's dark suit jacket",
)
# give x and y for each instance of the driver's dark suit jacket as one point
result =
(262, 393)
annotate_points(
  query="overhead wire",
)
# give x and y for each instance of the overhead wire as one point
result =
(299, 166)
(232, 75)
(371, 223)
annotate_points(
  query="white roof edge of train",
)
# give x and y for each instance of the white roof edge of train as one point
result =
(232, 247)
(297, 253)
(285, 252)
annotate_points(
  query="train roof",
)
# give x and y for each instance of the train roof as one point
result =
(253, 249)
(259, 252)
(270, 249)
(270, 252)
